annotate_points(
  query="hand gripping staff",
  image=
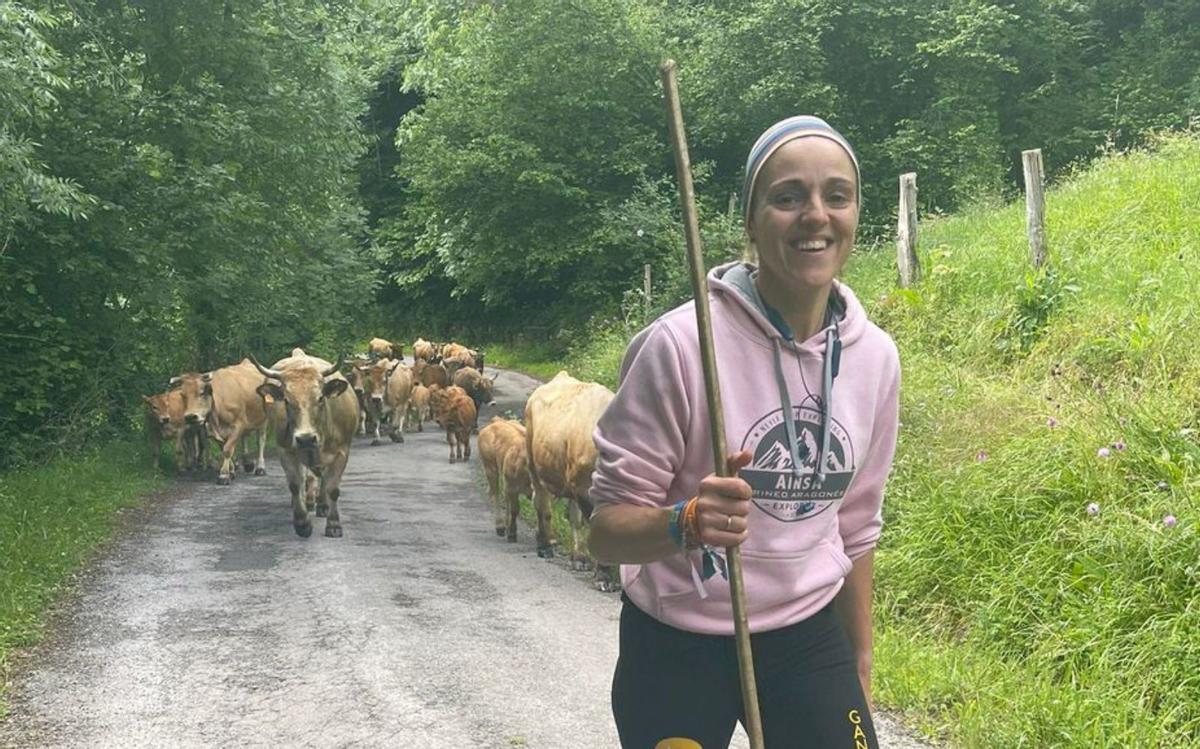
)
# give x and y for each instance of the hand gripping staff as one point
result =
(691, 230)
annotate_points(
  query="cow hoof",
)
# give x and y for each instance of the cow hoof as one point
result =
(397, 437)
(451, 460)
(224, 480)
(260, 471)
(247, 467)
(333, 531)
(581, 565)
(376, 442)
(322, 511)
(545, 552)
(303, 531)
(607, 586)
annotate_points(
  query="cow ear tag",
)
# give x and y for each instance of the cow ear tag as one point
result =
(677, 743)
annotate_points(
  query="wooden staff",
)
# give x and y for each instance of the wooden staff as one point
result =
(691, 230)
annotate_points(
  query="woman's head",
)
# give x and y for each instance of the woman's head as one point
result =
(801, 202)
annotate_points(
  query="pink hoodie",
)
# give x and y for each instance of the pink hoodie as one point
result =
(654, 448)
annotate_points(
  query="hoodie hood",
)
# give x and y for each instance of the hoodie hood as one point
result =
(735, 282)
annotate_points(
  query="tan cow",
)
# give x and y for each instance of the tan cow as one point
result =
(164, 420)
(456, 356)
(455, 412)
(504, 455)
(478, 387)
(560, 417)
(380, 348)
(422, 350)
(227, 403)
(418, 406)
(387, 387)
(314, 414)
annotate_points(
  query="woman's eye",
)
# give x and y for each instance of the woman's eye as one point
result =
(787, 200)
(839, 199)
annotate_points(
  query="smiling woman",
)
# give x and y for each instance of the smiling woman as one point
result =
(805, 504)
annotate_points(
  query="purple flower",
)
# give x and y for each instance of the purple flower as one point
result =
(1119, 445)
(1103, 452)
(1093, 509)
(981, 456)
(1169, 521)
(1051, 422)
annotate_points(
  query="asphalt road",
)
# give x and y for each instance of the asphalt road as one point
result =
(209, 623)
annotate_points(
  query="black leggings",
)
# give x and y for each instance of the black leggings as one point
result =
(672, 683)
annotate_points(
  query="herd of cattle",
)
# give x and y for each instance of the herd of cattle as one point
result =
(314, 408)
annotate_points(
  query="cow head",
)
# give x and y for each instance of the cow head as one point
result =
(197, 395)
(159, 407)
(375, 384)
(487, 388)
(305, 393)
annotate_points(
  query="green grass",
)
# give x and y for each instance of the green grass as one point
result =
(53, 517)
(536, 360)
(1008, 616)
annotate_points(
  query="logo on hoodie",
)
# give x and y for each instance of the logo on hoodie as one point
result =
(782, 491)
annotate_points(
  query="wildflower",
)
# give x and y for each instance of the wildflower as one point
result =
(1162, 486)
(1169, 521)
(641, 233)
(1119, 445)
(1103, 452)
(1051, 422)
(981, 456)
(1093, 509)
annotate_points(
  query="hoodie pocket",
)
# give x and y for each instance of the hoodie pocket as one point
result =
(776, 580)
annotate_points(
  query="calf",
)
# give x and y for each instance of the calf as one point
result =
(477, 386)
(418, 406)
(455, 412)
(504, 456)
(165, 419)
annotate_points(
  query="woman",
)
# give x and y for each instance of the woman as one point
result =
(805, 503)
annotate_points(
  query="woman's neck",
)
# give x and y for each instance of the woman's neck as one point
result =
(804, 312)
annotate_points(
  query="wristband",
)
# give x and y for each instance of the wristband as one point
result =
(691, 525)
(674, 528)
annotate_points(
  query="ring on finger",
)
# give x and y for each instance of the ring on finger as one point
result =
(728, 522)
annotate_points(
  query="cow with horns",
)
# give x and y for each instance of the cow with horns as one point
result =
(314, 415)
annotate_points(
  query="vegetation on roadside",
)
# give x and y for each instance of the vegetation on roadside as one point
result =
(54, 517)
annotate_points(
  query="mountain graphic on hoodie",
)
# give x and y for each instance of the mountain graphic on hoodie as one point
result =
(778, 458)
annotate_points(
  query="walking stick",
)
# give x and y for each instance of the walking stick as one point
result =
(691, 230)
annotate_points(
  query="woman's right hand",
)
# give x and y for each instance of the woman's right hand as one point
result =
(723, 505)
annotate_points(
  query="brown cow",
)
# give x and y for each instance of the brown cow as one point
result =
(418, 406)
(226, 402)
(560, 417)
(504, 456)
(477, 386)
(164, 419)
(455, 412)
(422, 350)
(314, 414)
(456, 356)
(435, 374)
(387, 388)
(380, 348)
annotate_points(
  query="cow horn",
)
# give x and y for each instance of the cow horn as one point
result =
(273, 374)
(334, 368)
(174, 382)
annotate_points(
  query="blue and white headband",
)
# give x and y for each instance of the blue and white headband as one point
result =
(785, 131)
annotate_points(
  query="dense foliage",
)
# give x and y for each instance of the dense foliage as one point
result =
(179, 189)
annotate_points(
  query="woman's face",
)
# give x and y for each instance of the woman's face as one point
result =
(804, 215)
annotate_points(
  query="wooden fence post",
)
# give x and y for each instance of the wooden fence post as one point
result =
(906, 231)
(1035, 205)
(646, 288)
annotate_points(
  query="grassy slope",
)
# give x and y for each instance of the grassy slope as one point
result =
(1008, 615)
(53, 517)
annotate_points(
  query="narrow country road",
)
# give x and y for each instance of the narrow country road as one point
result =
(213, 625)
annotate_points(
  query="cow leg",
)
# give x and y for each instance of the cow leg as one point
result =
(464, 439)
(450, 441)
(331, 478)
(542, 502)
(182, 462)
(312, 496)
(247, 463)
(399, 412)
(492, 472)
(155, 446)
(297, 484)
(514, 509)
(579, 560)
(377, 418)
(228, 466)
(260, 465)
